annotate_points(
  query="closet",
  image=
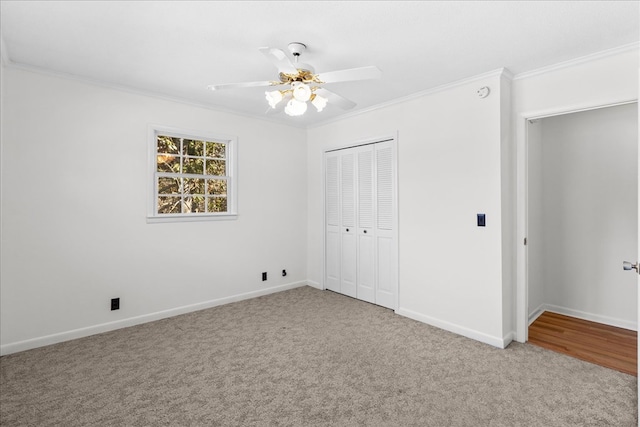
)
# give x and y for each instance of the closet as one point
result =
(582, 204)
(361, 243)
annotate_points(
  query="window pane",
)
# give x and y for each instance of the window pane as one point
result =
(191, 147)
(216, 149)
(167, 205)
(193, 186)
(193, 204)
(193, 166)
(217, 204)
(167, 144)
(217, 187)
(216, 167)
(167, 163)
(168, 185)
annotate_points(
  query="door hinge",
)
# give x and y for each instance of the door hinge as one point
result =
(525, 241)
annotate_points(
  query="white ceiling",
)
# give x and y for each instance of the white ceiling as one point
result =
(177, 48)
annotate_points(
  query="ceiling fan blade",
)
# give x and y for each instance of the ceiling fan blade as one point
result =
(362, 73)
(245, 84)
(279, 59)
(335, 99)
(270, 111)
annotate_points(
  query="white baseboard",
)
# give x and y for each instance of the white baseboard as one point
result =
(314, 284)
(611, 321)
(536, 313)
(507, 339)
(132, 321)
(457, 329)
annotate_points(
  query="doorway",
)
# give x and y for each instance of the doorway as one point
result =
(582, 215)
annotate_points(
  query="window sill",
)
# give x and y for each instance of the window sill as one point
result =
(190, 218)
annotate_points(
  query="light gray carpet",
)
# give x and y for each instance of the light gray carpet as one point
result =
(304, 357)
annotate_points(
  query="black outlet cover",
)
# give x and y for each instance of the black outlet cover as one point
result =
(115, 304)
(481, 220)
(264, 276)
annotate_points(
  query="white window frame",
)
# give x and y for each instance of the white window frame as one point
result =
(231, 169)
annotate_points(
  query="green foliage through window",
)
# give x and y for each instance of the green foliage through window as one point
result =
(191, 176)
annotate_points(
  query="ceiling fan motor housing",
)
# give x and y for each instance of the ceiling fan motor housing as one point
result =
(296, 48)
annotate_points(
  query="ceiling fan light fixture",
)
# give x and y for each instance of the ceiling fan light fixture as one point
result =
(273, 97)
(301, 91)
(299, 83)
(295, 108)
(319, 102)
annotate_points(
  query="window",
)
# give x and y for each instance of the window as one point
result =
(193, 175)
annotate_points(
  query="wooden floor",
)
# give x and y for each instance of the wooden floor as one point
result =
(603, 345)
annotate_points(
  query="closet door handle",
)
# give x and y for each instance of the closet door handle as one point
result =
(347, 230)
(365, 231)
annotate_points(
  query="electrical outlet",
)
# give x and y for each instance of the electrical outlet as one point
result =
(115, 304)
(284, 273)
(264, 276)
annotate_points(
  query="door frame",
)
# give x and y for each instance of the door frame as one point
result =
(522, 205)
(393, 138)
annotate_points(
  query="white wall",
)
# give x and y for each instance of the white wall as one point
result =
(74, 193)
(535, 236)
(589, 213)
(603, 79)
(508, 203)
(449, 169)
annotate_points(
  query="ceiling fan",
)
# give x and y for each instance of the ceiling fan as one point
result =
(298, 82)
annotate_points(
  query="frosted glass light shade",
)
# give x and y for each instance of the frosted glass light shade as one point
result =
(319, 102)
(301, 92)
(295, 108)
(273, 97)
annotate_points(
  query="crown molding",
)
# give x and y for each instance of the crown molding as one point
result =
(503, 73)
(580, 60)
(140, 92)
(500, 72)
(506, 74)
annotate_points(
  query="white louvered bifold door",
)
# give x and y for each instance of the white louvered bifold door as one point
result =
(361, 245)
(366, 279)
(348, 223)
(332, 225)
(386, 232)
